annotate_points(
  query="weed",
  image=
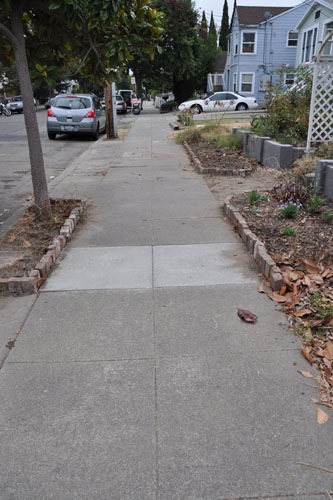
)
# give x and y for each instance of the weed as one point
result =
(253, 196)
(232, 141)
(290, 209)
(314, 204)
(289, 231)
(323, 307)
(186, 118)
(328, 217)
(191, 135)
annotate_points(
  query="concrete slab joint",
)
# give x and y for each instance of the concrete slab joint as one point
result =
(27, 285)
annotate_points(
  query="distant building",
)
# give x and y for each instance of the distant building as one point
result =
(262, 43)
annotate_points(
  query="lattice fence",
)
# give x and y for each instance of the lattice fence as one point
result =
(321, 115)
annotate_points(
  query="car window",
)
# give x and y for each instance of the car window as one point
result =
(218, 97)
(97, 103)
(72, 103)
(231, 96)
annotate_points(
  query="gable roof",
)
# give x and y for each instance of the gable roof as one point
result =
(255, 15)
(315, 4)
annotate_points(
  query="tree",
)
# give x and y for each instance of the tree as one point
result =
(224, 31)
(175, 67)
(203, 31)
(96, 37)
(208, 55)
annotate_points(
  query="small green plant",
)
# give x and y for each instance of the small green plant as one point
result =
(323, 307)
(255, 211)
(290, 209)
(289, 231)
(253, 196)
(314, 204)
(328, 217)
(186, 118)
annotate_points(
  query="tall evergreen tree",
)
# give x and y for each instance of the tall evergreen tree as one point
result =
(203, 31)
(224, 31)
(212, 29)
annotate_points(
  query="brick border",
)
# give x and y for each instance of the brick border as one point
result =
(264, 261)
(241, 172)
(28, 285)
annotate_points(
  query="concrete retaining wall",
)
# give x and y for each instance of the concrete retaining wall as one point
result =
(270, 153)
(324, 178)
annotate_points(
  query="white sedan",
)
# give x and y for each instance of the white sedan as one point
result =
(220, 101)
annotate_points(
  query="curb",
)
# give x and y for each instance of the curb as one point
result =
(241, 172)
(28, 285)
(264, 261)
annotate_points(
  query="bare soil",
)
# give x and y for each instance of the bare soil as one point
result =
(27, 241)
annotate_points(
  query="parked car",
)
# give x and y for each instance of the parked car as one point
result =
(127, 95)
(220, 101)
(15, 104)
(121, 105)
(49, 102)
(76, 114)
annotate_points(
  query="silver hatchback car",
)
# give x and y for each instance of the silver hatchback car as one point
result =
(76, 114)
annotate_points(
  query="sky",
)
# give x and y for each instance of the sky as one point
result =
(217, 6)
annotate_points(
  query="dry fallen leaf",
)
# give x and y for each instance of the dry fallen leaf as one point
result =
(247, 316)
(322, 416)
(329, 351)
(11, 238)
(307, 356)
(302, 312)
(277, 297)
(26, 244)
(305, 374)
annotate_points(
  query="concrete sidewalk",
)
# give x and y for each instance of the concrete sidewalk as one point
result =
(132, 377)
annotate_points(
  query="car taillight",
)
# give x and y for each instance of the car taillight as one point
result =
(90, 114)
(50, 112)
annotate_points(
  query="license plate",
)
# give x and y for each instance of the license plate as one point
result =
(68, 128)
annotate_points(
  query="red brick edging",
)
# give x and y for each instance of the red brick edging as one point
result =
(30, 284)
(241, 172)
(264, 261)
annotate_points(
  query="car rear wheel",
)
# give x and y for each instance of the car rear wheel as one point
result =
(196, 109)
(51, 135)
(242, 107)
(96, 133)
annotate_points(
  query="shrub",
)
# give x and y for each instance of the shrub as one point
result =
(287, 116)
(290, 191)
(168, 106)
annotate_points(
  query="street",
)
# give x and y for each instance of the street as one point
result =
(15, 176)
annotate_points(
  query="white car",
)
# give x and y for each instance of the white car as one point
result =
(220, 101)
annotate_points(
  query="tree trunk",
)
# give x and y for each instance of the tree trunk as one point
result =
(109, 112)
(41, 197)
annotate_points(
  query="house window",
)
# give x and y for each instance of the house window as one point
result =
(234, 82)
(317, 14)
(309, 44)
(236, 44)
(328, 49)
(248, 42)
(289, 79)
(246, 82)
(292, 39)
